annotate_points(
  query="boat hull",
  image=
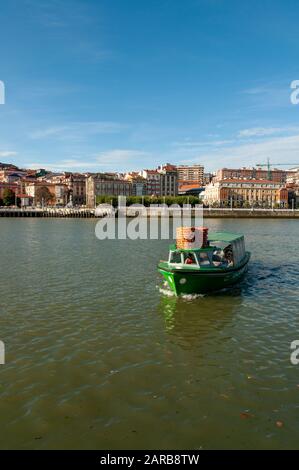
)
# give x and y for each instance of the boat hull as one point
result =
(199, 281)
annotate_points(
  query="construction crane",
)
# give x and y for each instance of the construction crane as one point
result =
(268, 165)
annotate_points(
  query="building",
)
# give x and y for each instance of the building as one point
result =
(293, 176)
(8, 166)
(58, 192)
(139, 184)
(76, 184)
(246, 193)
(278, 176)
(207, 178)
(161, 182)
(103, 184)
(293, 190)
(168, 180)
(189, 189)
(191, 174)
(153, 182)
(11, 176)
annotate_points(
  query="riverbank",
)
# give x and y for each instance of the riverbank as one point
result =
(207, 213)
(252, 213)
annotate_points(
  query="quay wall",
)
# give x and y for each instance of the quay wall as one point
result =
(65, 213)
(207, 213)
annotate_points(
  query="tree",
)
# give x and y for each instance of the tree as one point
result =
(43, 195)
(8, 197)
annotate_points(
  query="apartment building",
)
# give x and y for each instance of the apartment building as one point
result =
(58, 192)
(168, 180)
(191, 173)
(153, 182)
(246, 193)
(105, 185)
(278, 176)
(139, 184)
(293, 176)
(76, 184)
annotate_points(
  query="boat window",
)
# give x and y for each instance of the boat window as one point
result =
(218, 257)
(189, 258)
(228, 255)
(203, 259)
(238, 250)
(175, 257)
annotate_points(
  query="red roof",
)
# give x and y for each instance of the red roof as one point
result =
(186, 187)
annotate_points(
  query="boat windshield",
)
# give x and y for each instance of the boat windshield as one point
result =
(175, 257)
(189, 258)
(203, 259)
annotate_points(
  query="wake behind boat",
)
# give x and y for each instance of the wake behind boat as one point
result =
(220, 261)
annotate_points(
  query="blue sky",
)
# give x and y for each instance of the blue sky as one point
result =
(127, 84)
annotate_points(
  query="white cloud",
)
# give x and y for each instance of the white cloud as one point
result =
(64, 165)
(265, 131)
(254, 91)
(119, 156)
(78, 130)
(190, 146)
(110, 160)
(5, 154)
(279, 150)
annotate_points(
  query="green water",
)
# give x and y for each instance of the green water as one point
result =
(97, 356)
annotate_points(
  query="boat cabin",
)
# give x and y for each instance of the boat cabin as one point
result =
(224, 250)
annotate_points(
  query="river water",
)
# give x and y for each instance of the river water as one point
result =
(98, 355)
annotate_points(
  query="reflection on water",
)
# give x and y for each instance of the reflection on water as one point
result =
(194, 312)
(98, 356)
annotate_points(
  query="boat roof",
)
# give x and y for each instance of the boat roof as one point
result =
(224, 236)
(214, 237)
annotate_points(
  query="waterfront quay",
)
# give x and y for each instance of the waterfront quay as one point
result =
(47, 212)
(207, 213)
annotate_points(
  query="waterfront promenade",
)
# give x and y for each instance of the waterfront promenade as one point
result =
(207, 212)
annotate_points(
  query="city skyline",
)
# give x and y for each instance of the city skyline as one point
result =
(112, 86)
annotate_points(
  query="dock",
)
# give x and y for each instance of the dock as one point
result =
(207, 213)
(47, 212)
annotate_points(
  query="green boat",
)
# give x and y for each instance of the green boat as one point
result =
(221, 263)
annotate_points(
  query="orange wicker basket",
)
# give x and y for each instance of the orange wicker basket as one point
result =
(188, 238)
